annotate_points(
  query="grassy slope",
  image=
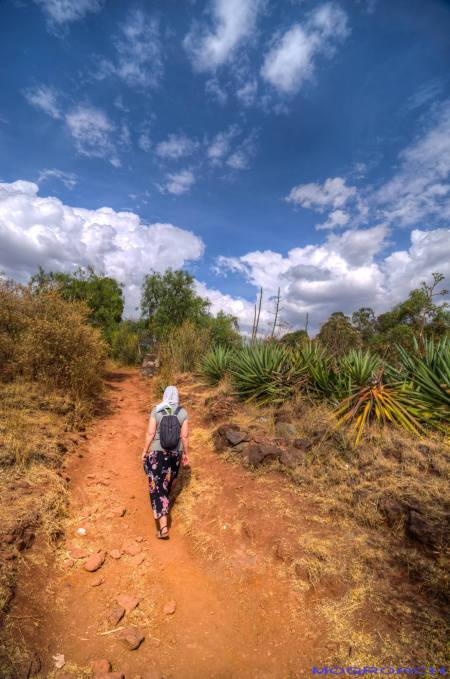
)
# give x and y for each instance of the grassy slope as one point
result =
(362, 498)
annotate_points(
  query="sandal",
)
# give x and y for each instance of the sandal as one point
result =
(163, 533)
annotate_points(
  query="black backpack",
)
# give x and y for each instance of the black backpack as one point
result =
(169, 431)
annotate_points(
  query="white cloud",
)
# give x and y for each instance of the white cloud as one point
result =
(178, 182)
(240, 158)
(176, 146)
(220, 145)
(44, 98)
(343, 273)
(144, 142)
(332, 194)
(429, 252)
(337, 218)
(43, 231)
(60, 12)
(247, 92)
(233, 22)
(291, 61)
(236, 306)
(69, 179)
(139, 60)
(420, 190)
(216, 91)
(92, 130)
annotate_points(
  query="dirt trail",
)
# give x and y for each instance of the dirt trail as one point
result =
(236, 616)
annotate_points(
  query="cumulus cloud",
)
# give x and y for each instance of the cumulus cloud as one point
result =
(291, 61)
(43, 231)
(61, 12)
(92, 131)
(343, 273)
(44, 98)
(233, 21)
(139, 59)
(69, 179)
(176, 146)
(178, 182)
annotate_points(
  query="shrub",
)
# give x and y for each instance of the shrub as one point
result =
(125, 344)
(58, 346)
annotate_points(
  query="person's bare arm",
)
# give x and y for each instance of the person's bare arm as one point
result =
(185, 440)
(149, 436)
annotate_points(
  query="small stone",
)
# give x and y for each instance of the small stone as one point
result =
(170, 607)
(128, 602)
(81, 531)
(120, 511)
(101, 666)
(131, 637)
(131, 548)
(115, 614)
(98, 580)
(139, 538)
(94, 562)
(78, 553)
(116, 553)
(68, 563)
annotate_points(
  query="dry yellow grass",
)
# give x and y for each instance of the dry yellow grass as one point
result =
(36, 430)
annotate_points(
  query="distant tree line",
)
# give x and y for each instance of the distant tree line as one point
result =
(169, 301)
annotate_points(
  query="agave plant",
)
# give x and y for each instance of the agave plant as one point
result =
(394, 403)
(323, 379)
(264, 372)
(215, 364)
(429, 374)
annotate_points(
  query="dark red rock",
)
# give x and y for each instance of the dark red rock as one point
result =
(128, 602)
(94, 562)
(115, 614)
(131, 637)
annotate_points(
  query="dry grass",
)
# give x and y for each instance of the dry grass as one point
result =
(381, 593)
(36, 431)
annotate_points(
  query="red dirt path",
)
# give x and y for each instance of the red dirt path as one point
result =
(236, 616)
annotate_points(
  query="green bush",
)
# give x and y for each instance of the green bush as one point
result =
(125, 344)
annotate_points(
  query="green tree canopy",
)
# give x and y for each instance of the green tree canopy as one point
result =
(102, 294)
(338, 334)
(169, 299)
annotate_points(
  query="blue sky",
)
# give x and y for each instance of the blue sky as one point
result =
(301, 145)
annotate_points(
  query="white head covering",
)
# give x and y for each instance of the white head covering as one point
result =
(170, 399)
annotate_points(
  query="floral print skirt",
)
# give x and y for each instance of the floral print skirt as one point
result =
(162, 469)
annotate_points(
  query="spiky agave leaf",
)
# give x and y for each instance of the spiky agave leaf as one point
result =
(384, 403)
(429, 374)
(215, 364)
(263, 372)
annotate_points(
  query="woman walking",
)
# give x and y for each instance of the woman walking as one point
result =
(165, 447)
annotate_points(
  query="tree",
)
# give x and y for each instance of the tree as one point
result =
(364, 321)
(338, 334)
(102, 294)
(169, 299)
(295, 339)
(224, 330)
(417, 317)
